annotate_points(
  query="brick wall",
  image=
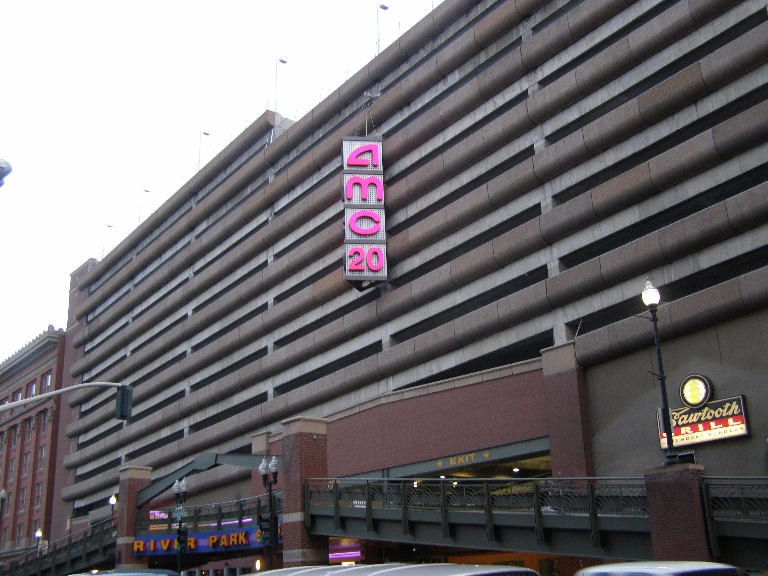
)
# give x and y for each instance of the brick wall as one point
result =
(132, 479)
(435, 424)
(678, 528)
(305, 452)
(570, 438)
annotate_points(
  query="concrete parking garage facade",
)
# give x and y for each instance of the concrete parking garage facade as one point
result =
(542, 160)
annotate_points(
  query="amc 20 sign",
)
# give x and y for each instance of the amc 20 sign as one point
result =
(365, 237)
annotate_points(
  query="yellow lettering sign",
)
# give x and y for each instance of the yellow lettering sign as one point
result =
(138, 546)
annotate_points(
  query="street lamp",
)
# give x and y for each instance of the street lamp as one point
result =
(199, 147)
(264, 470)
(112, 501)
(147, 191)
(5, 169)
(278, 61)
(38, 536)
(651, 299)
(3, 496)
(180, 493)
(378, 34)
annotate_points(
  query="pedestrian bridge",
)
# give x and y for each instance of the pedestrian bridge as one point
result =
(595, 517)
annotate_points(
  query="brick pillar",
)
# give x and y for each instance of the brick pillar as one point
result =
(132, 479)
(565, 391)
(678, 524)
(305, 454)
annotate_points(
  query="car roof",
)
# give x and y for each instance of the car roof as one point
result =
(657, 568)
(394, 569)
(129, 572)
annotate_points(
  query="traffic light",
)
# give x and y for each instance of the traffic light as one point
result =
(181, 539)
(264, 529)
(123, 402)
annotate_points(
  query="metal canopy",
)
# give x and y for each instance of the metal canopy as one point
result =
(201, 463)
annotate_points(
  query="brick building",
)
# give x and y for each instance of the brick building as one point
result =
(28, 441)
(541, 160)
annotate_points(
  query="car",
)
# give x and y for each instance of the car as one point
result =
(394, 569)
(661, 568)
(129, 572)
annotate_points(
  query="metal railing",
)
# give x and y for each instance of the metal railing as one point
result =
(556, 496)
(733, 500)
(737, 498)
(68, 554)
(208, 516)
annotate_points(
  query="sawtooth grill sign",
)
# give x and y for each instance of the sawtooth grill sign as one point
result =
(703, 419)
(365, 236)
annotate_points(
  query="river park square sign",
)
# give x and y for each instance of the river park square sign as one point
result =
(202, 542)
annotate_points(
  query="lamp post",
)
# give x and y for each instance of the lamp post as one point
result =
(378, 33)
(38, 536)
(199, 147)
(5, 169)
(147, 191)
(264, 470)
(112, 501)
(180, 493)
(3, 496)
(278, 61)
(651, 299)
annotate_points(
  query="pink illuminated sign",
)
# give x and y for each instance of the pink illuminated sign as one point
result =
(365, 238)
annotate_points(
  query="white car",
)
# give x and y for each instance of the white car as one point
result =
(661, 568)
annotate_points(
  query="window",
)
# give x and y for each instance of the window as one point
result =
(28, 429)
(5, 537)
(11, 469)
(45, 384)
(19, 534)
(25, 464)
(41, 457)
(14, 436)
(22, 500)
(31, 387)
(35, 528)
(43, 422)
(5, 413)
(8, 500)
(15, 398)
(38, 494)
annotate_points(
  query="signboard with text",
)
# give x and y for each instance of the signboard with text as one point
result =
(202, 542)
(716, 420)
(365, 236)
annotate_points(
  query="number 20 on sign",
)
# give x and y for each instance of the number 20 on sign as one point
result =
(364, 219)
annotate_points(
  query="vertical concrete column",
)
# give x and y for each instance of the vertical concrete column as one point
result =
(565, 391)
(305, 455)
(132, 479)
(676, 511)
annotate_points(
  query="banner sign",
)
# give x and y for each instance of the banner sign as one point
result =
(717, 420)
(365, 236)
(202, 542)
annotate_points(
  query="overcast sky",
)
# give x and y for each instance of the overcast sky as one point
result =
(102, 100)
